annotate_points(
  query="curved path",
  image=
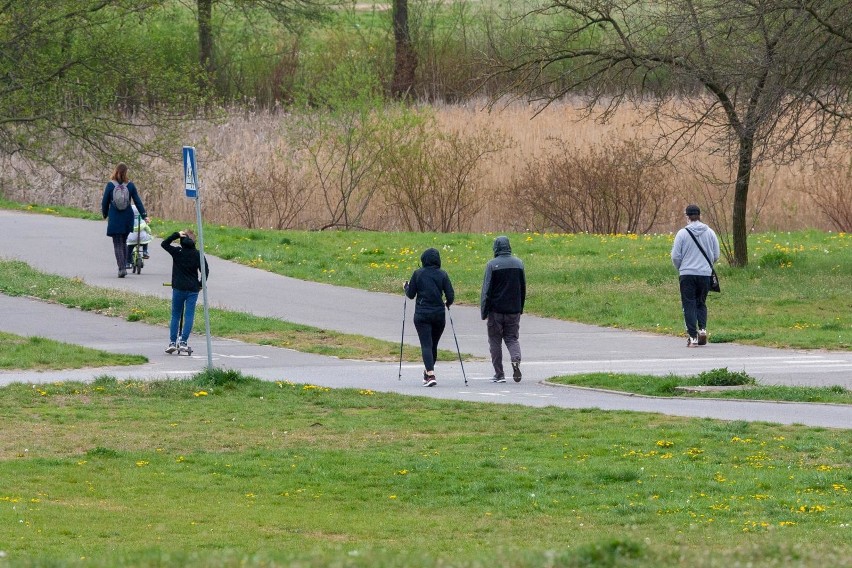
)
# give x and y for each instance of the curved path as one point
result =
(72, 247)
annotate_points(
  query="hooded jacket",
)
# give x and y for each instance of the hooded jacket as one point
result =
(504, 288)
(685, 255)
(186, 264)
(428, 283)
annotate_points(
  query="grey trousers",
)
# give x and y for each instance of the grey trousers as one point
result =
(503, 328)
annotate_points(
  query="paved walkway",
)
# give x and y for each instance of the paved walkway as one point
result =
(80, 248)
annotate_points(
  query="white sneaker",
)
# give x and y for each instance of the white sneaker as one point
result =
(692, 342)
(702, 337)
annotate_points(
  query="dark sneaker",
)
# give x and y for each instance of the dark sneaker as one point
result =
(702, 337)
(496, 379)
(145, 255)
(430, 381)
(692, 342)
(171, 348)
(122, 273)
(516, 371)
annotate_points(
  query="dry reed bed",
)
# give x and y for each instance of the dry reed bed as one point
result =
(246, 145)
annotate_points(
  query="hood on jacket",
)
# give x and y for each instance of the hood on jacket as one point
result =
(502, 246)
(187, 243)
(697, 227)
(430, 257)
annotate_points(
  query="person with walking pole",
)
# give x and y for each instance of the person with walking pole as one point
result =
(504, 292)
(432, 291)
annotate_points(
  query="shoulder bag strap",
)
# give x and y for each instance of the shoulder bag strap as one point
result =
(691, 234)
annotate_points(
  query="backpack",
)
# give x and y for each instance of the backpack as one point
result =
(120, 196)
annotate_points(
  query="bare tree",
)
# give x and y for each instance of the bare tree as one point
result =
(762, 79)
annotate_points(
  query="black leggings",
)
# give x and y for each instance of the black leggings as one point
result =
(429, 327)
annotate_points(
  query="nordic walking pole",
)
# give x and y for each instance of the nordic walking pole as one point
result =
(453, 327)
(402, 338)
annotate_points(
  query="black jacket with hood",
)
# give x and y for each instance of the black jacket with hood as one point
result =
(429, 283)
(186, 264)
(504, 288)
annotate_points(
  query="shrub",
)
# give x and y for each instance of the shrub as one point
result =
(832, 192)
(609, 188)
(269, 194)
(724, 378)
(432, 179)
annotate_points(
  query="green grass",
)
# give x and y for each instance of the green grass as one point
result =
(19, 279)
(227, 470)
(624, 281)
(38, 353)
(651, 385)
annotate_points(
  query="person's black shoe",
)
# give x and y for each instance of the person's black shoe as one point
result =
(122, 273)
(496, 379)
(516, 371)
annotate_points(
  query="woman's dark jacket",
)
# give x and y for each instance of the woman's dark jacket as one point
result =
(120, 222)
(186, 265)
(429, 283)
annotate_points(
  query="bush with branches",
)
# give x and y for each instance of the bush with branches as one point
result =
(609, 188)
(432, 179)
(269, 195)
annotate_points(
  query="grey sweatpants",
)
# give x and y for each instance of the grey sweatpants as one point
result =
(503, 328)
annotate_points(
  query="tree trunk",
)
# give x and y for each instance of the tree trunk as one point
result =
(205, 39)
(741, 200)
(405, 62)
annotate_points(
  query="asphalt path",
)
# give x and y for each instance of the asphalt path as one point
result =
(79, 248)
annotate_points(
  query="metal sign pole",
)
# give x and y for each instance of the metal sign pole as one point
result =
(203, 265)
(190, 176)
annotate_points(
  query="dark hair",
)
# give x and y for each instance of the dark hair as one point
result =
(120, 173)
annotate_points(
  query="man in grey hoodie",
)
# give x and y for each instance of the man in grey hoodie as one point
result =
(695, 271)
(504, 291)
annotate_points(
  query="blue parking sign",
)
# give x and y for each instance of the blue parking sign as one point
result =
(190, 172)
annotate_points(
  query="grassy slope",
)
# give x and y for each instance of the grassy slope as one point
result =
(191, 473)
(38, 353)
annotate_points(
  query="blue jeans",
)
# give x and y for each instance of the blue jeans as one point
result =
(183, 301)
(693, 298)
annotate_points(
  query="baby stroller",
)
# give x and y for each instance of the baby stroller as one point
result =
(139, 238)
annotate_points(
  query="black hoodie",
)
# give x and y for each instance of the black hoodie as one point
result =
(186, 264)
(429, 283)
(504, 288)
